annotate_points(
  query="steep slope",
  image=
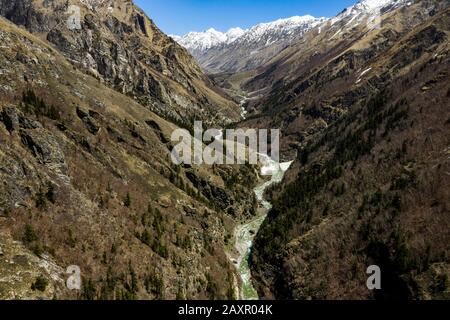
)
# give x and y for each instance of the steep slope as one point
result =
(243, 50)
(87, 180)
(198, 43)
(120, 45)
(312, 83)
(366, 111)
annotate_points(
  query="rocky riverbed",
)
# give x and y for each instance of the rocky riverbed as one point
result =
(245, 233)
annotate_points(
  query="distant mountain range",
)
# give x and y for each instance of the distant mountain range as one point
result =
(239, 50)
(86, 124)
(243, 50)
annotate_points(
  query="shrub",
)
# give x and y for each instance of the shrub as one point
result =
(29, 234)
(154, 285)
(35, 105)
(404, 181)
(41, 200)
(37, 250)
(89, 291)
(211, 287)
(51, 194)
(127, 200)
(40, 284)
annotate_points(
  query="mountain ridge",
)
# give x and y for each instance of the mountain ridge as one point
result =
(235, 49)
(120, 45)
(86, 169)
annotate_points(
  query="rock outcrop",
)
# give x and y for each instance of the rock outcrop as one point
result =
(120, 45)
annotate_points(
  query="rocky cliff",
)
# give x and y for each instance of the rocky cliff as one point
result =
(86, 173)
(120, 45)
(366, 110)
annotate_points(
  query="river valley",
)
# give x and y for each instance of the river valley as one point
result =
(245, 233)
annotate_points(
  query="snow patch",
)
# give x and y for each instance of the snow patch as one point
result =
(269, 32)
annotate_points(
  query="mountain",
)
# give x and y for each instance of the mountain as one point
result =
(363, 109)
(243, 50)
(121, 46)
(199, 42)
(86, 173)
(86, 117)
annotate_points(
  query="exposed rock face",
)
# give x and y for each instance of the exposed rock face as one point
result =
(86, 176)
(326, 73)
(360, 106)
(118, 44)
(21, 268)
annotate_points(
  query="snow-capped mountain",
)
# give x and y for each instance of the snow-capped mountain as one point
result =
(367, 10)
(243, 50)
(238, 49)
(202, 41)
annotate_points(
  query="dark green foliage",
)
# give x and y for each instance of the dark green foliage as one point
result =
(109, 285)
(37, 250)
(35, 105)
(183, 242)
(41, 200)
(29, 234)
(145, 237)
(292, 211)
(187, 124)
(158, 223)
(89, 291)
(154, 284)
(132, 285)
(45, 195)
(208, 244)
(71, 240)
(51, 195)
(352, 147)
(40, 284)
(340, 189)
(211, 287)
(127, 200)
(159, 248)
(180, 293)
(404, 181)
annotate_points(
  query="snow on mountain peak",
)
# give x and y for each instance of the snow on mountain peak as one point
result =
(373, 4)
(202, 41)
(367, 9)
(234, 33)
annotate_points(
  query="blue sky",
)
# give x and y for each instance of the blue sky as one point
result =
(181, 16)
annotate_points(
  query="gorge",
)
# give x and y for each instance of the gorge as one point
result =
(88, 178)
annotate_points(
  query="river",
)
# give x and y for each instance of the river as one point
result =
(245, 233)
